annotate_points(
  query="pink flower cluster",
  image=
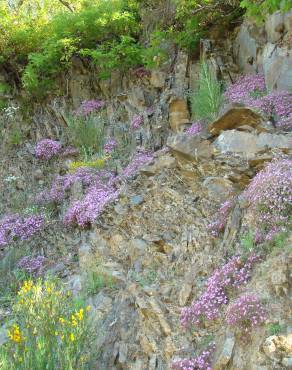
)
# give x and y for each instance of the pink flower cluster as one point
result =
(244, 87)
(246, 313)
(139, 159)
(221, 217)
(285, 123)
(16, 227)
(85, 211)
(110, 145)
(251, 90)
(47, 148)
(201, 362)
(195, 129)
(89, 106)
(235, 273)
(137, 121)
(100, 188)
(32, 265)
(62, 184)
(270, 197)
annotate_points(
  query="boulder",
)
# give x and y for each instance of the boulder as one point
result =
(165, 161)
(234, 117)
(278, 347)
(178, 114)
(190, 147)
(219, 189)
(249, 144)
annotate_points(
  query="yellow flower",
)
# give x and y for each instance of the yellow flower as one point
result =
(88, 308)
(79, 314)
(73, 320)
(14, 334)
(72, 337)
(34, 331)
(27, 286)
(62, 321)
(56, 333)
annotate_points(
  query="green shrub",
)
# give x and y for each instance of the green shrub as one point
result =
(156, 53)
(87, 133)
(259, 9)
(48, 330)
(208, 98)
(117, 55)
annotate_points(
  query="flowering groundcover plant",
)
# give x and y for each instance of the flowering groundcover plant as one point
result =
(270, 197)
(202, 362)
(100, 188)
(251, 90)
(47, 148)
(246, 313)
(234, 274)
(17, 227)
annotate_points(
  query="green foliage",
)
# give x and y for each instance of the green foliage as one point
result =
(48, 34)
(47, 330)
(116, 55)
(259, 9)
(88, 134)
(207, 100)
(156, 54)
(247, 242)
(274, 329)
(95, 281)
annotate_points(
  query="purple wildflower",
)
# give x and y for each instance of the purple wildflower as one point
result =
(110, 145)
(244, 87)
(139, 159)
(47, 148)
(89, 106)
(137, 121)
(15, 227)
(195, 129)
(235, 273)
(221, 217)
(32, 265)
(251, 90)
(270, 198)
(201, 362)
(246, 313)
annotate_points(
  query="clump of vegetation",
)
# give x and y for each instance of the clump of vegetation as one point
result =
(107, 33)
(48, 330)
(87, 133)
(260, 9)
(269, 195)
(246, 313)
(207, 100)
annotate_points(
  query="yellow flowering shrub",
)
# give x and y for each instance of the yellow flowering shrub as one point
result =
(98, 163)
(48, 330)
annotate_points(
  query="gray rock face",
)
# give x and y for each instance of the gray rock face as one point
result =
(249, 144)
(277, 66)
(275, 26)
(257, 49)
(247, 48)
(190, 147)
(225, 355)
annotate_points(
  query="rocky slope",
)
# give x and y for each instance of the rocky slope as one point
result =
(153, 246)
